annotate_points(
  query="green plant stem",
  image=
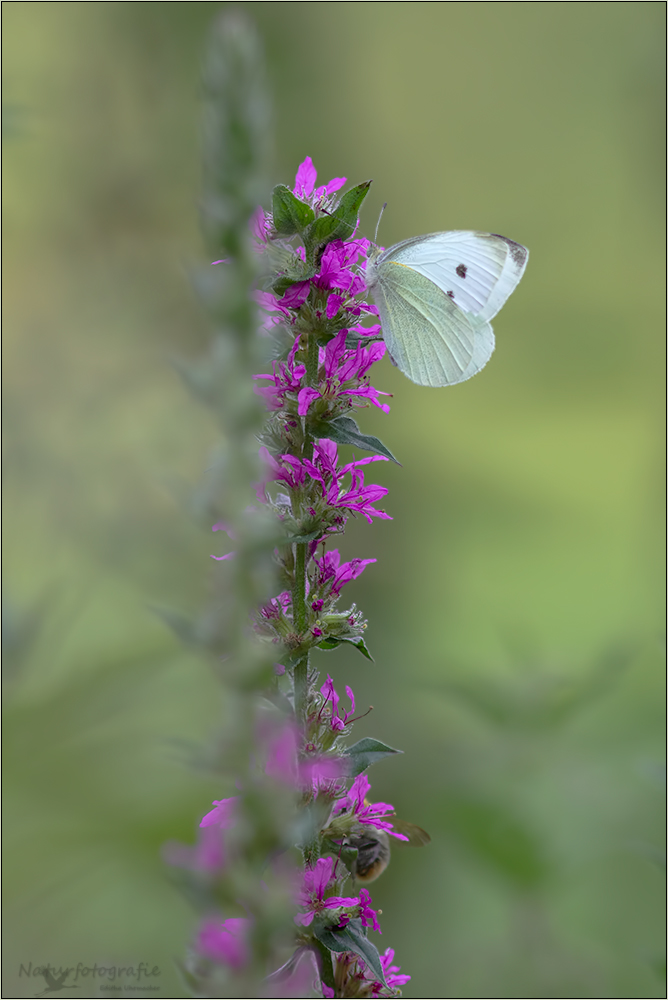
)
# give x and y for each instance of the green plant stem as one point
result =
(312, 358)
(301, 556)
(299, 618)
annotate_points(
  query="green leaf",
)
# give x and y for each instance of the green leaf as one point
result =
(326, 965)
(285, 281)
(331, 642)
(340, 225)
(366, 752)
(290, 214)
(352, 938)
(301, 539)
(344, 430)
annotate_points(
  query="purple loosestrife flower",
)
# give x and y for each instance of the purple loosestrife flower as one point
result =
(367, 915)
(358, 497)
(323, 774)
(339, 276)
(225, 942)
(207, 856)
(260, 225)
(329, 576)
(224, 815)
(375, 814)
(305, 184)
(336, 266)
(277, 606)
(356, 979)
(286, 380)
(311, 896)
(344, 382)
(311, 773)
(392, 977)
(332, 699)
(323, 470)
(281, 743)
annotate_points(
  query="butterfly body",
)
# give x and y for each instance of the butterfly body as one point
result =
(436, 295)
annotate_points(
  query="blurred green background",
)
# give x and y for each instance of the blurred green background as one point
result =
(516, 606)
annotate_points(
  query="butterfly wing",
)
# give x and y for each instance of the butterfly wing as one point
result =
(441, 339)
(428, 336)
(477, 270)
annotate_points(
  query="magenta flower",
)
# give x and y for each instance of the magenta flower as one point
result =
(260, 225)
(357, 979)
(331, 577)
(281, 753)
(305, 183)
(285, 378)
(323, 774)
(221, 526)
(368, 916)
(373, 814)
(224, 815)
(392, 977)
(339, 275)
(345, 375)
(287, 469)
(225, 942)
(359, 498)
(336, 268)
(332, 699)
(206, 856)
(277, 606)
(316, 882)
(296, 295)
(295, 472)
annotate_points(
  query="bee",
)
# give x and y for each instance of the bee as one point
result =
(373, 848)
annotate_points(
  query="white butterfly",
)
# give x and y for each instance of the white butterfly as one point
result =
(436, 294)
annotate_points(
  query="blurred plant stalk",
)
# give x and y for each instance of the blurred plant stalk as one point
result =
(237, 149)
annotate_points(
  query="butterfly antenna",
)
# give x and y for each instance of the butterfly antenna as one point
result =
(375, 235)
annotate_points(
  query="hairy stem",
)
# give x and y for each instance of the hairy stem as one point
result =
(301, 558)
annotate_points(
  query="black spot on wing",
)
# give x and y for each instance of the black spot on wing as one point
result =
(451, 294)
(461, 270)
